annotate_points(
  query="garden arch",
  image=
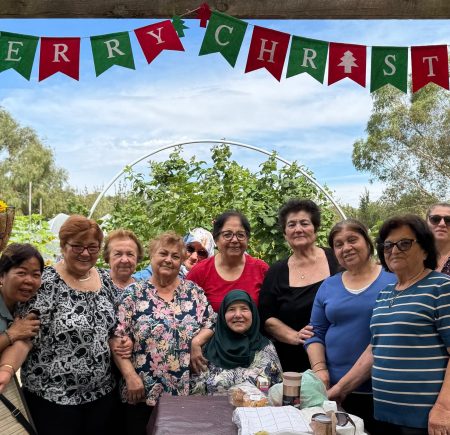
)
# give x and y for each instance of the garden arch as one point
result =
(209, 141)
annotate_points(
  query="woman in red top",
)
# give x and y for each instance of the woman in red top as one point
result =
(231, 268)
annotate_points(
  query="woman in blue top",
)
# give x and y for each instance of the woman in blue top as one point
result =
(410, 347)
(341, 313)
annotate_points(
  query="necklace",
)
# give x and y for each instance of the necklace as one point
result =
(397, 292)
(87, 278)
(302, 273)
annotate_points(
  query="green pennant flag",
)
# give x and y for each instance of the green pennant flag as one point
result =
(224, 35)
(307, 55)
(111, 49)
(17, 52)
(389, 66)
(179, 26)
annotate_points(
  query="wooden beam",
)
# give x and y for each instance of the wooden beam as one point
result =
(248, 9)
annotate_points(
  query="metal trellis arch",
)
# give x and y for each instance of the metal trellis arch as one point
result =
(213, 141)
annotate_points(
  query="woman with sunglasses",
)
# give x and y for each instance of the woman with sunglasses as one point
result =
(199, 246)
(438, 218)
(410, 326)
(231, 267)
(67, 378)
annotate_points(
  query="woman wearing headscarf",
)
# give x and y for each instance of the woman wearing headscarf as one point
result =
(237, 352)
(199, 246)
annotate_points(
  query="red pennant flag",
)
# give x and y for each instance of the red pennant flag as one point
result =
(268, 50)
(204, 14)
(157, 37)
(347, 60)
(429, 65)
(59, 55)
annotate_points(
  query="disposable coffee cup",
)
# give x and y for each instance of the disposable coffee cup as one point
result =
(291, 388)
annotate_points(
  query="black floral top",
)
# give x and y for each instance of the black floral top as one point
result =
(70, 362)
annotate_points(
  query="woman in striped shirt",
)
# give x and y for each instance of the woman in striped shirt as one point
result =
(409, 351)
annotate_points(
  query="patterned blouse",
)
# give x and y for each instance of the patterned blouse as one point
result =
(70, 362)
(217, 381)
(162, 333)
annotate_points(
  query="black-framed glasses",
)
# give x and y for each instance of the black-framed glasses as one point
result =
(201, 253)
(342, 418)
(436, 219)
(402, 245)
(228, 235)
(78, 249)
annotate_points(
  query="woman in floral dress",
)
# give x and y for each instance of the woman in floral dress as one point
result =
(169, 319)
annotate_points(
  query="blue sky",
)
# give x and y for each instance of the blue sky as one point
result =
(98, 125)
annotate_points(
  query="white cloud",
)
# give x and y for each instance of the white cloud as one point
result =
(98, 125)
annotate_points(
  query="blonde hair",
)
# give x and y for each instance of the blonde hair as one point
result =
(164, 239)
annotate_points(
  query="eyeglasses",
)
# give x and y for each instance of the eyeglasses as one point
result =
(201, 253)
(78, 249)
(228, 235)
(402, 245)
(436, 219)
(342, 418)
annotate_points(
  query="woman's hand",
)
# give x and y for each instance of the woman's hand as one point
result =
(324, 376)
(122, 347)
(296, 338)
(135, 388)
(198, 362)
(439, 420)
(336, 393)
(5, 377)
(23, 329)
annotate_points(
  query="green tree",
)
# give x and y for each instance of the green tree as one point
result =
(24, 159)
(181, 195)
(408, 146)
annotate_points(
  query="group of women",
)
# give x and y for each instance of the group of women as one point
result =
(190, 324)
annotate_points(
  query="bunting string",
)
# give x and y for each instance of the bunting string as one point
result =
(269, 49)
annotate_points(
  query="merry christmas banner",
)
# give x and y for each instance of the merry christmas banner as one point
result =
(269, 49)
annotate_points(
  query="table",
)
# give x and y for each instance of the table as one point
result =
(192, 415)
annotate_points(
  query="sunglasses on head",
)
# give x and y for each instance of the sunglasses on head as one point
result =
(200, 252)
(436, 219)
(342, 418)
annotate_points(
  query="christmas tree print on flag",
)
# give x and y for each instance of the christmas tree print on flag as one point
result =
(347, 60)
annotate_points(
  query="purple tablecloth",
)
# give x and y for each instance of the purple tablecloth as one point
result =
(192, 415)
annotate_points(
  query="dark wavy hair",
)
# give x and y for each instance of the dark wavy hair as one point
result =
(422, 232)
(295, 205)
(222, 218)
(16, 253)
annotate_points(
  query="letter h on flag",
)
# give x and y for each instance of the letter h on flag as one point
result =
(268, 50)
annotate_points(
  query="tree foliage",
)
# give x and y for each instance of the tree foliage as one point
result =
(408, 145)
(24, 159)
(183, 194)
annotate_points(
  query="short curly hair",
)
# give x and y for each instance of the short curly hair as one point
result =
(122, 234)
(167, 238)
(295, 205)
(76, 225)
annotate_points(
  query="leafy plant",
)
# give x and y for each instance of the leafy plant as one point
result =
(183, 194)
